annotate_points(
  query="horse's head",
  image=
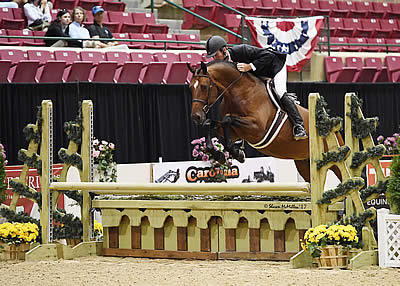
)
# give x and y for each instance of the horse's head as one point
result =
(204, 92)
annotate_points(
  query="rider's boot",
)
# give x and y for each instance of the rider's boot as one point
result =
(299, 132)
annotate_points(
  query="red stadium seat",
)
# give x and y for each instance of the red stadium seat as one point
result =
(334, 24)
(381, 74)
(126, 37)
(77, 71)
(389, 28)
(278, 8)
(363, 74)
(352, 28)
(51, 71)
(154, 73)
(176, 71)
(103, 72)
(362, 8)
(333, 8)
(39, 42)
(307, 8)
(119, 57)
(125, 20)
(380, 10)
(140, 45)
(379, 41)
(393, 66)
(89, 4)
(149, 21)
(92, 56)
(68, 56)
(129, 72)
(294, 4)
(15, 56)
(7, 20)
(207, 11)
(114, 27)
(42, 56)
(233, 23)
(7, 41)
(339, 40)
(394, 11)
(171, 46)
(355, 41)
(189, 38)
(5, 66)
(109, 5)
(369, 26)
(336, 72)
(393, 42)
(65, 4)
(142, 57)
(193, 58)
(24, 72)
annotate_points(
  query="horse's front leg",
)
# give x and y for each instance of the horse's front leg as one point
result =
(218, 155)
(227, 122)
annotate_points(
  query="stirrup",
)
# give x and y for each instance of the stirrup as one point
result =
(301, 132)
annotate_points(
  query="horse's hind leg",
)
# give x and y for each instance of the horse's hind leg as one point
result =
(303, 167)
(236, 152)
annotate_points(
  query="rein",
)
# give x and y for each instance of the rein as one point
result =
(206, 107)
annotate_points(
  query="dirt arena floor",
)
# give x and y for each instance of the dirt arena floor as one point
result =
(132, 271)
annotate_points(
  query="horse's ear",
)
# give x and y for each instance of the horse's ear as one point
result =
(192, 69)
(204, 67)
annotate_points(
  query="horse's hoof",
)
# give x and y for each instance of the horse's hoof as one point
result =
(241, 157)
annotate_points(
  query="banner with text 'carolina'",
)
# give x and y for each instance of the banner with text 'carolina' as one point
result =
(295, 37)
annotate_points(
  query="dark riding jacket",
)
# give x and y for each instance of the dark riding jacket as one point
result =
(266, 61)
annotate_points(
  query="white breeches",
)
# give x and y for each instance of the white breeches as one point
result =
(280, 81)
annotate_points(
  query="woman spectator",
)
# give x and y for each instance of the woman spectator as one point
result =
(38, 14)
(59, 28)
(77, 29)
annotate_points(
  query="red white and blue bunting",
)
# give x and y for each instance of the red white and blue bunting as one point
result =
(295, 37)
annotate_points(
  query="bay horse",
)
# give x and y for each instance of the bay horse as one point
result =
(247, 111)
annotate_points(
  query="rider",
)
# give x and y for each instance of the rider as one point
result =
(262, 63)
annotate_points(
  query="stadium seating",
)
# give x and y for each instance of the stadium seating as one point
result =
(393, 67)
(381, 75)
(337, 72)
(363, 74)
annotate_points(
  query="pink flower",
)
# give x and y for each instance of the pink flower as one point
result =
(396, 135)
(104, 142)
(201, 153)
(386, 142)
(95, 142)
(101, 148)
(6, 162)
(214, 140)
(205, 157)
(3, 154)
(96, 153)
(112, 146)
(226, 155)
(198, 141)
(195, 153)
(392, 139)
(380, 138)
(1, 147)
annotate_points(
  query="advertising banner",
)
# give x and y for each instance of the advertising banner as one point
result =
(381, 201)
(252, 170)
(13, 172)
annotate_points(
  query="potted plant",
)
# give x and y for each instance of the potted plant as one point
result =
(16, 238)
(200, 152)
(104, 160)
(329, 245)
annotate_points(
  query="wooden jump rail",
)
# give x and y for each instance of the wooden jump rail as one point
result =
(244, 189)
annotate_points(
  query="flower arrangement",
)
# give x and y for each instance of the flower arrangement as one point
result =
(18, 233)
(391, 143)
(98, 230)
(3, 163)
(320, 236)
(200, 152)
(103, 157)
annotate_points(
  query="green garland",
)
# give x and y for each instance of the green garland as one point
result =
(333, 156)
(340, 190)
(370, 190)
(393, 187)
(204, 198)
(324, 123)
(66, 226)
(73, 159)
(74, 128)
(360, 128)
(22, 217)
(3, 185)
(360, 157)
(24, 191)
(28, 131)
(32, 162)
(358, 221)
(75, 195)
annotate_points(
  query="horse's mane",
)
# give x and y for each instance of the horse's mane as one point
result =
(224, 62)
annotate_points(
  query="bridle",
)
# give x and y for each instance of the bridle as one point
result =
(206, 108)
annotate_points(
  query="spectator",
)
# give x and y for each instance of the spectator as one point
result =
(59, 28)
(38, 15)
(77, 29)
(97, 30)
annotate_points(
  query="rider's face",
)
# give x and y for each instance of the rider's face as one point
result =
(220, 55)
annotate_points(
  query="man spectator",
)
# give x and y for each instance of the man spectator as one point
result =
(97, 30)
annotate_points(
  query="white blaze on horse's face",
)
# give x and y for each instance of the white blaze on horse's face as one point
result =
(196, 84)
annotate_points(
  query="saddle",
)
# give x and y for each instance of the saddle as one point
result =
(270, 86)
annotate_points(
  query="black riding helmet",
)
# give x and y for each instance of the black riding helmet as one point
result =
(214, 44)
